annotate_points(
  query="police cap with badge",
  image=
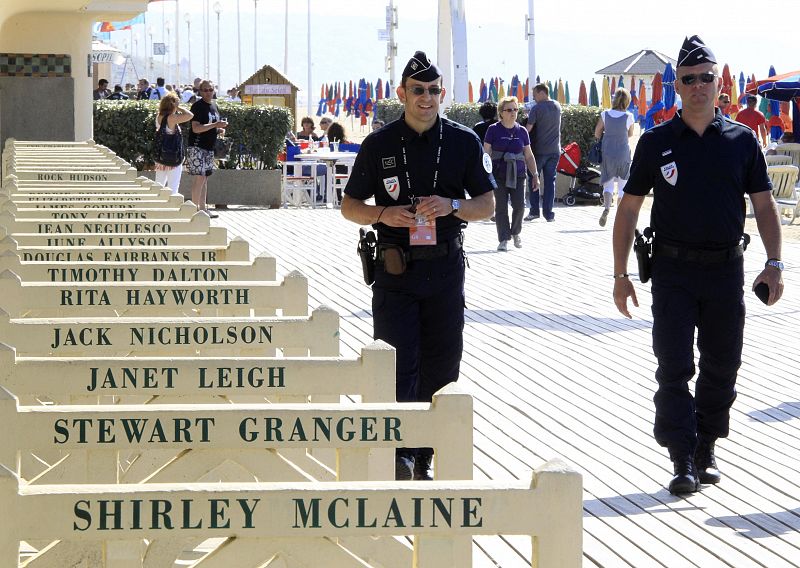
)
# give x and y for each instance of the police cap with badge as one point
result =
(421, 68)
(694, 52)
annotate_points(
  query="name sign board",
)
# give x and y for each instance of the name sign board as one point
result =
(268, 89)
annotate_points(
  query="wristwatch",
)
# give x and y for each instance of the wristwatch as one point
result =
(455, 204)
(775, 263)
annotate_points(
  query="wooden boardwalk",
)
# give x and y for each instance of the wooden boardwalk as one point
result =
(556, 371)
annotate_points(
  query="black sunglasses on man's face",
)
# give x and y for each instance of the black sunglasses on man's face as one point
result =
(707, 77)
(420, 90)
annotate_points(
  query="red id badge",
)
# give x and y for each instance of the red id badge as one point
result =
(423, 233)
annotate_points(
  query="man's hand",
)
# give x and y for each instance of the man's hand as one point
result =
(398, 216)
(534, 182)
(623, 288)
(773, 278)
(433, 206)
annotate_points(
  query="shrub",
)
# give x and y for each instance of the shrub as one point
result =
(577, 121)
(257, 132)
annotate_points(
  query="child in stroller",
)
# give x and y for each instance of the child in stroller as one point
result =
(585, 183)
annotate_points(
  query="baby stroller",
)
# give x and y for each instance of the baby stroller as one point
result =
(585, 183)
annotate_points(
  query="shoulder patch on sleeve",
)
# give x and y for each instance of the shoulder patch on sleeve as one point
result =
(487, 163)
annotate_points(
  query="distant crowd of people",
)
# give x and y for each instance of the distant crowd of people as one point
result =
(145, 90)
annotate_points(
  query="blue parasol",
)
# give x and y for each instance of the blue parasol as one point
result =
(668, 81)
(775, 131)
(594, 99)
(742, 83)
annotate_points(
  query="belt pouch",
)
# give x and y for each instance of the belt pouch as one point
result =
(394, 260)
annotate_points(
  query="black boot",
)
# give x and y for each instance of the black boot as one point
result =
(685, 479)
(705, 462)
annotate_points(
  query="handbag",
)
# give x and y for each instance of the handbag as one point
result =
(596, 152)
(222, 147)
(168, 148)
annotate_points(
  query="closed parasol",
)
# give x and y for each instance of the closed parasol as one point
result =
(583, 98)
(566, 92)
(668, 82)
(594, 100)
(560, 95)
(605, 100)
(655, 114)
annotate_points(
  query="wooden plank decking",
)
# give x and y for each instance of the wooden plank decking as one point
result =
(556, 371)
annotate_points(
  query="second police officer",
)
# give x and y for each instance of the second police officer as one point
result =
(420, 170)
(700, 165)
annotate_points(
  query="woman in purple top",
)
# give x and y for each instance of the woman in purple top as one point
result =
(509, 146)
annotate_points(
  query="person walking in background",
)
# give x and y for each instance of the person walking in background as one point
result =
(724, 103)
(699, 165)
(615, 126)
(170, 111)
(159, 91)
(755, 119)
(545, 117)
(419, 169)
(206, 124)
(488, 112)
(145, 90)
(510, 149)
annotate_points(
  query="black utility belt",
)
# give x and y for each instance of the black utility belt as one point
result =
(421, 252)
(700, 256)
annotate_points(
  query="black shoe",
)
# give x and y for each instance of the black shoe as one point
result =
(422, 467)
(403, 467)
(685, 478)
(706, 463)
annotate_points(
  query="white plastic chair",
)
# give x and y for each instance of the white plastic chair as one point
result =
(783, 180)
(301, 182)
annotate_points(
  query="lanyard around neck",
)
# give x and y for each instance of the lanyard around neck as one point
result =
(438, 159)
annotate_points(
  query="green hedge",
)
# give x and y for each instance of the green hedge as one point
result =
(577, 121)
(257, 132)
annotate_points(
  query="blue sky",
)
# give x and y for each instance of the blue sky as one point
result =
(573, 38)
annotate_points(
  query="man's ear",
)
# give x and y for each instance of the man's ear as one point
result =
(401, 94)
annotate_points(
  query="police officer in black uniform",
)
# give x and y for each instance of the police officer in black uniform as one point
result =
(699, 165)
(417, 168)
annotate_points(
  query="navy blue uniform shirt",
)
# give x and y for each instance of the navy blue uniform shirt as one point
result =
(698, 182)
(379, 171)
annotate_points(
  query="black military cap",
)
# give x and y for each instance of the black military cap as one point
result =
(419, 67)
(694, 52)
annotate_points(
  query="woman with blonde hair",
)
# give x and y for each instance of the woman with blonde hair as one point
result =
(616, 127)
(169, 110)
(509, 145)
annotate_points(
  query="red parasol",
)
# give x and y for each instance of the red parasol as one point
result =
(471, 98)
(613, 85)
(727, 80)
(658, 88)
(583, 98)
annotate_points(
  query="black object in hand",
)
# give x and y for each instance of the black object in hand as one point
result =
(762, 291)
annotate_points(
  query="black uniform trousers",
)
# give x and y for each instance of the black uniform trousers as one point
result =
(421, 314)
(709, 298)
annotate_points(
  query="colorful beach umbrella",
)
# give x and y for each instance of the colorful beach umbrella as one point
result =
(655, 114)
(727, 80)
(566, 92)
(613, 88)
(469, 87)
(594, 100)
(605, 97)
(741, 86)
(783, 87)
(642, 101)
(583, 98)
(668, 81)
(560, 94)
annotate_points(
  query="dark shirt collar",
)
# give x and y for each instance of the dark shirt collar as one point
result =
(718, 123)
(411, 134)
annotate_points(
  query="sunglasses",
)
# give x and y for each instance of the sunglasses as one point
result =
(707, 77)
(420, 90)
(510, 110)
(206, 90)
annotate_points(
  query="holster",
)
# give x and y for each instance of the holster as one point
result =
(643, 248)
(367, 244)
(394, 259)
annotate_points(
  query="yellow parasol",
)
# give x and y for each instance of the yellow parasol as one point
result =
(605, 98)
